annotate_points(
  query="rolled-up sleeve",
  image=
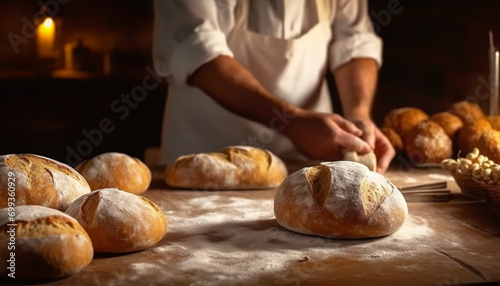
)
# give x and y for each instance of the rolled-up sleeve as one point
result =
(186, 36)
(353, 34)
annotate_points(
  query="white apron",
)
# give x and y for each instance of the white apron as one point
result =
(292, 69)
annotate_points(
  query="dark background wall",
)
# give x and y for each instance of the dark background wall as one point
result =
(435, 53)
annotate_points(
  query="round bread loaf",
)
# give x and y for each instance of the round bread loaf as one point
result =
(404, 119)
(470, 134)
(494, 121)
(118, 221)
(488, 144)
(339, 200)
(235, 167)
(467, 111)
(116, 170)
(428, 143)
(38, 180)
(449, 122)
(46, 243)
(393, 137)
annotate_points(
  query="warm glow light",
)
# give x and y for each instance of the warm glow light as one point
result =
(46, 38)
(48, 23)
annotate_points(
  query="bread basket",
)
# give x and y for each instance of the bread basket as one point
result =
(470, 187)
(492, 195)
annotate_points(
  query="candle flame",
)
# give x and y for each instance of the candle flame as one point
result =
(48, 23)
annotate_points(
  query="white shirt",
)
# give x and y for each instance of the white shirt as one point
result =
(189, 33)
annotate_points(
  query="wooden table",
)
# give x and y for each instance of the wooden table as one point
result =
(232, 238)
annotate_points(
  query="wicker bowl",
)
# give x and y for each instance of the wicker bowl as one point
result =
(492, 196)
(469, 187)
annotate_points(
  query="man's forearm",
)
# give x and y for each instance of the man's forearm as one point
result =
(231, 85)
(356, 83)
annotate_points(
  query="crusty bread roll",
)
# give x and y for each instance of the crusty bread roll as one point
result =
(468, 112)
(40, 181)
(470, 135)
(369, 159)
(450, 123)
(339, 200)
(404, 119)
(48, 243)
(118, 221)
(428, 143)
(235, 167)
(394, 138)
(494, 121)
(116, 170)
(488, 144)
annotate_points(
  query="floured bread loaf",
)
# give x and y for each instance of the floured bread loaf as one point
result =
(39, 181)
(235, 167)
(369, 159)
(48, 244)
(116, 170)
(118, 221)
(339, 200)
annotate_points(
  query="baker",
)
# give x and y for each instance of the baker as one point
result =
(253, 73)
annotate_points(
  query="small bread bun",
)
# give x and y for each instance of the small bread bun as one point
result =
(470, 134)
(119, 221)
(467, 111)
(450, 123)
(393, 137)
(116, 170)
(39, 181)
(48, 243)
(488, 144)
(235, 167)
(404, 119)
(494, 121)
(428, 143)
(339, 199)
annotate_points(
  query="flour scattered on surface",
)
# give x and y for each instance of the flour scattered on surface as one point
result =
(213, 239)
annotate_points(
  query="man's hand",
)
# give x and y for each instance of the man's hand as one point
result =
(322, 136)
(377, 141)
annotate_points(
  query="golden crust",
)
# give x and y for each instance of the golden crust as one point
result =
(235, 167)
(116, 170)
(450, 123)
(53, 246)
(470, 135)
(404, 119)
(428, 143)
(467, 111)
(40, 181)
(118, 221)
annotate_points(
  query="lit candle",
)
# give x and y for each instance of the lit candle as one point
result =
(45, 38)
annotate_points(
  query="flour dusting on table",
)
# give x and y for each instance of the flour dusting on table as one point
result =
(237, 239)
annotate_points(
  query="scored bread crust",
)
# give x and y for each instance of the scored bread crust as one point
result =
(118, 221)
(339, 200)
(40, 181)
(49, 243)
(235, 167)
(116, 170)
